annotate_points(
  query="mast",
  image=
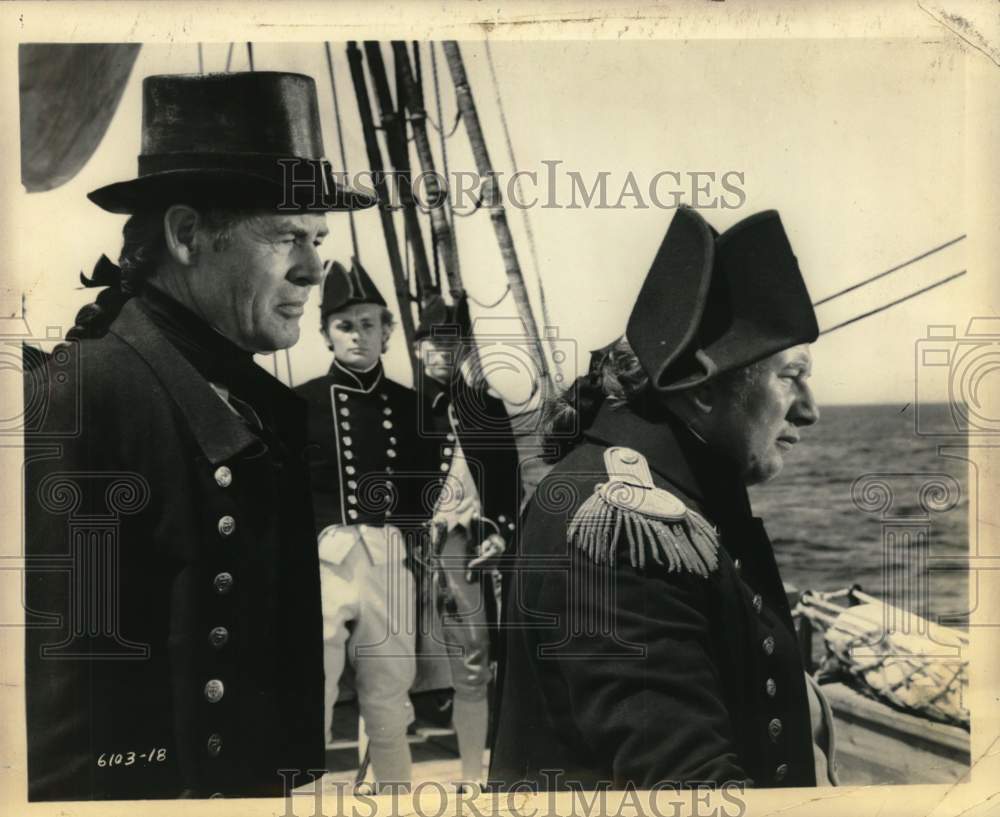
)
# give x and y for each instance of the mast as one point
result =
(395, 137)
(493, 201)
(403, 296)
(440, 227)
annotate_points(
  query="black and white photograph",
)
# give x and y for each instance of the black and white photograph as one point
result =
(530, 410)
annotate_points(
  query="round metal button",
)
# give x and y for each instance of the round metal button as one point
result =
(390, 470)
(352, 499)
(444, 466)
(501, 518)
(223, 583)
(768, 645)
(758, 602)
(223, 476)
(450, 437)
(214, 690)
(628, 456)
(352, 484)
(345, 425)
(352, 513)
(218, 636)
(449, 451)
(774, 728)
(390, 453)
(349, 469)
(387, 424)
(384, 396)
(347, 441)
(345, 411)
(387, 411)
(227, 525)
(343, 397)
(738, 564)
(392, 441)
(770, 687)
(781, 772)
(348, 455)
(214, 744)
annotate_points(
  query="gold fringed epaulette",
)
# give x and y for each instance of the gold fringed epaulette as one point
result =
(654, 522)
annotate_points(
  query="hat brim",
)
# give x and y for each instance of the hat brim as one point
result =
(220, 187)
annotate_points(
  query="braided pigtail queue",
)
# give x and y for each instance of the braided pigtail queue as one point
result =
(142, 246)
(615, 374)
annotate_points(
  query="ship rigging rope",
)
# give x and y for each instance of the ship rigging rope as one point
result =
(340, 142)
(532, 248)
(444, 163)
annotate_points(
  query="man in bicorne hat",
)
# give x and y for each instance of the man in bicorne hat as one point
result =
(471, 447)
(363, 444)
(650, 641)
(175, 632)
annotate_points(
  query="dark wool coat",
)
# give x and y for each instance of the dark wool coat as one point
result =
(175, 633)
(639, 675)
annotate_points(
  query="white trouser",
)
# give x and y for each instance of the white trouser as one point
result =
(369, 609)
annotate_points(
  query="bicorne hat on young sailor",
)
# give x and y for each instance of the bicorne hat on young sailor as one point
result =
(251, 139)
(712, 303)
(344, 287)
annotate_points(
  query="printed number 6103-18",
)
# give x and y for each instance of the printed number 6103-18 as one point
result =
(153, 755)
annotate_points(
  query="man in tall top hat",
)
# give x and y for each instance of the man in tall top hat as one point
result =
(172, 584)
(472, 449)
(363, 446)
(650, 639)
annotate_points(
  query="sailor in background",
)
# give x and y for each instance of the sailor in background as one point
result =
(472, 450)
(362, 439)
(661, 646)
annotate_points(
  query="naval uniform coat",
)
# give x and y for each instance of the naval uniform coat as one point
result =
(364, 453)
(639, 675)
(478, 421)
(174, 641)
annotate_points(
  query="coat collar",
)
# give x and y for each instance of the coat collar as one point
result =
(677, 455)
(219, 433)
(363, 382)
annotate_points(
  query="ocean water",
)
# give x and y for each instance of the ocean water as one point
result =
(863, 499)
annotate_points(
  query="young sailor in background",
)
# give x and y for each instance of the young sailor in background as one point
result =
(671, 653)
(472, 449)
(361, 429)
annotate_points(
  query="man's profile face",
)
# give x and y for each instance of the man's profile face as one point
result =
(253, 288)
(757, 423)
(356, 335)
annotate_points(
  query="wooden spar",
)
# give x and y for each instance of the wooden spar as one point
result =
(394, 127)
(441, 229)
(403, 297)
(493, 200)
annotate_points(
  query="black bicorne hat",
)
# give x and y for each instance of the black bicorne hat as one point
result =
(712, 303)
(248, 138)
(344, 287)
(444, 322)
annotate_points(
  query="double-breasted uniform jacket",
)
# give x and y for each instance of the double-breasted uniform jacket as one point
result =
(363, 450)
(478, 422)
(174, 642)
(631, 672)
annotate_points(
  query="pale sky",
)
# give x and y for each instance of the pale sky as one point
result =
(858, 143)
